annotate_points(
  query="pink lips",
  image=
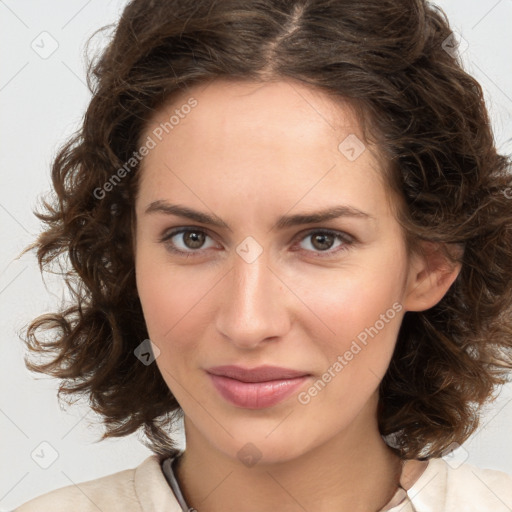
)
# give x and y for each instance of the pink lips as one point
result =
(256, 388)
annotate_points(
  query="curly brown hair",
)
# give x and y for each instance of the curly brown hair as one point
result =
(389, 59)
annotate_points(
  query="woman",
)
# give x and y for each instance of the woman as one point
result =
(287, 223)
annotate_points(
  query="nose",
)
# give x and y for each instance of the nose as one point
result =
(252, 305)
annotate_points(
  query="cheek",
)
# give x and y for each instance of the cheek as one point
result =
(357, 315)
(161, 301)
(343, 303)
(357, 356)
(175, 303)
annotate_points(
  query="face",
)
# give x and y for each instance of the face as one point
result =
(263, 284)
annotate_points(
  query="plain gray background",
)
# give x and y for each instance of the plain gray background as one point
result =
(42, 99)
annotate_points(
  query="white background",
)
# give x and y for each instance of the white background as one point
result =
(41, 104)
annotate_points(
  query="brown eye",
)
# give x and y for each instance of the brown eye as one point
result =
(326, 241)
(322, 241)
(193, 239)
(187, 241)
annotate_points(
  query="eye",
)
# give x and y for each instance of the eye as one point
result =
(322, 242)
(187, 240)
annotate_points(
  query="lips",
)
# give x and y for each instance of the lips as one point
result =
(259, 374)
(256, 388)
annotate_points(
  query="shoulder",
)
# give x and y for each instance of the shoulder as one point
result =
(127, 491)
(479, 487)
(453, 487)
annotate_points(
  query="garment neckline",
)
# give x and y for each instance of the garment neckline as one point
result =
(413, 472)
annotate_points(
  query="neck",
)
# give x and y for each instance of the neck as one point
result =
(354, 471)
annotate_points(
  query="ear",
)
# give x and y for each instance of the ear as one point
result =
(431, 273)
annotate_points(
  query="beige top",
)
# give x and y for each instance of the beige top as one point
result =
(438, 488)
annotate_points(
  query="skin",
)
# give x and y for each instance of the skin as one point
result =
(250, 153)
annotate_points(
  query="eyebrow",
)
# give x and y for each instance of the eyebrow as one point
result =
(285, 221)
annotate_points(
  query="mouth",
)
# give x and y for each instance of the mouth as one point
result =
(256, 388)
(259, 374)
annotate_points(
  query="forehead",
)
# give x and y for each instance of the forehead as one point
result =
(281, 134)
(292, 109)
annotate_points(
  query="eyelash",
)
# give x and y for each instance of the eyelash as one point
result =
(347, 240)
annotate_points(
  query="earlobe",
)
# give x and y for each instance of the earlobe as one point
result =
(430, 276)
